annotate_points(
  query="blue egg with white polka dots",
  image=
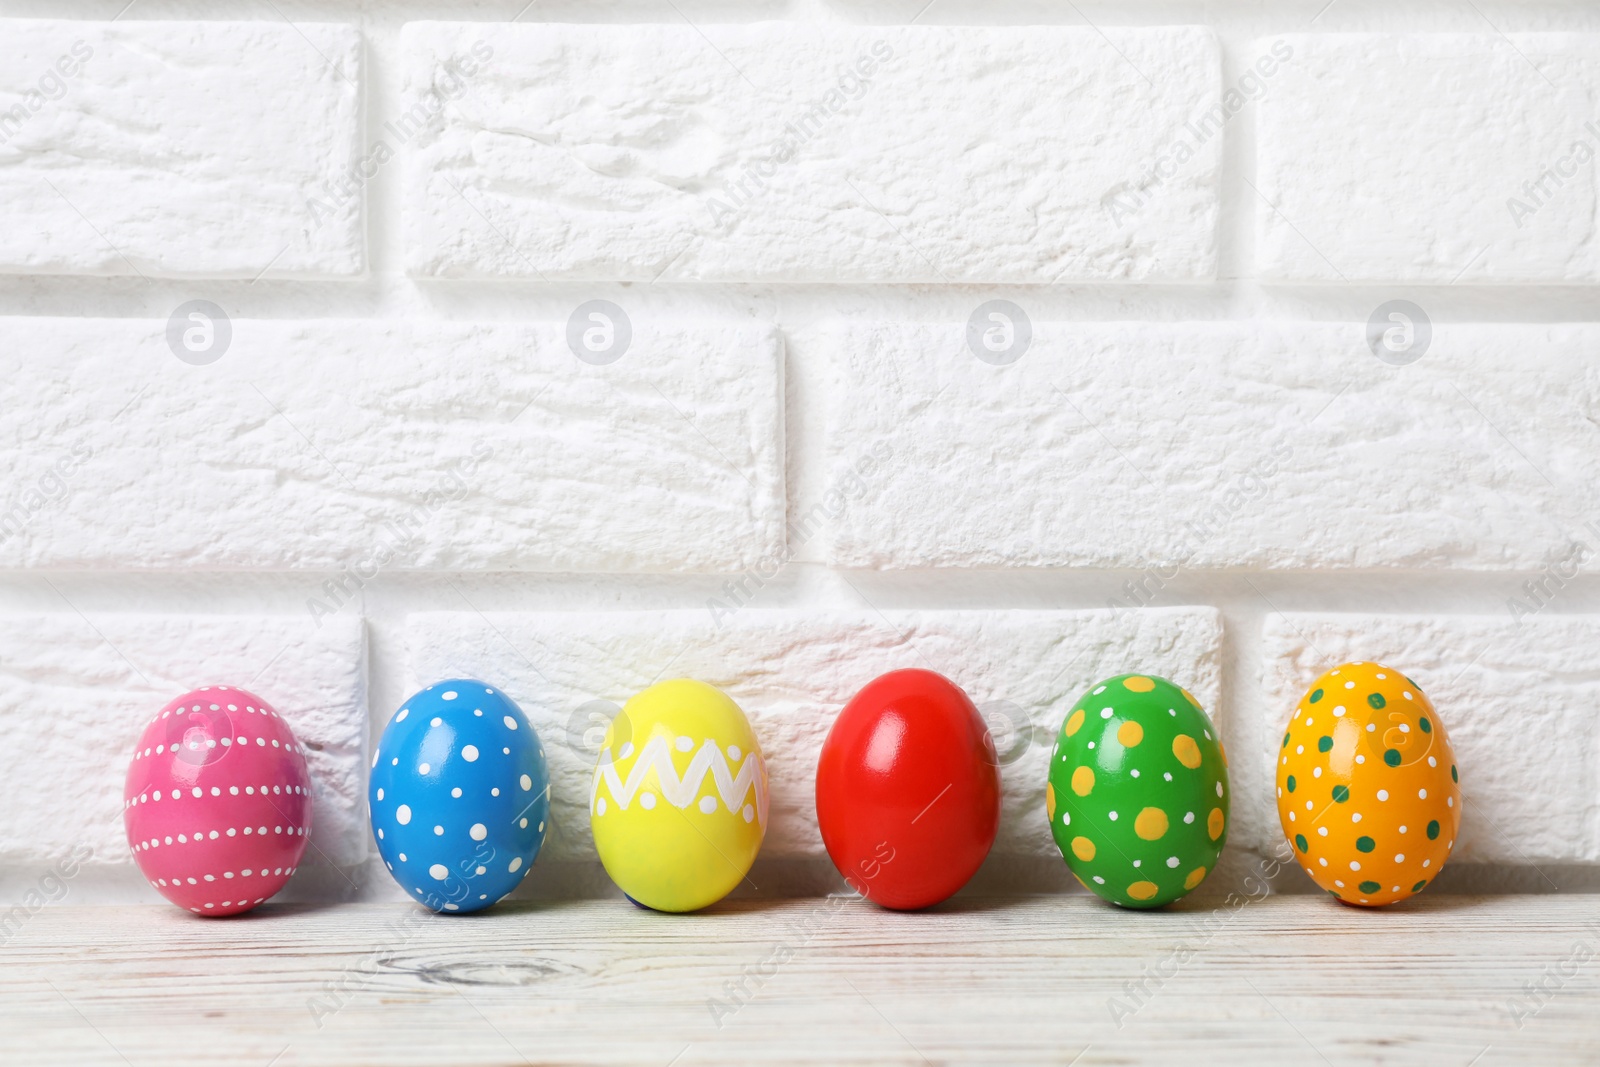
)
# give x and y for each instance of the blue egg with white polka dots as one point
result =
(460, 796)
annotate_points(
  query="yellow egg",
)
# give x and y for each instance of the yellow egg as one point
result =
(679, 800)
(1368, 792)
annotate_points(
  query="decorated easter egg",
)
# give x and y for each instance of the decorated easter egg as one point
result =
(217, 804)
(460, 796)
(908, 790)
(679, 799)
(1138, 791)
(1368, 791)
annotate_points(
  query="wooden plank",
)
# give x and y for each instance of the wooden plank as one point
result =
(1059, 979)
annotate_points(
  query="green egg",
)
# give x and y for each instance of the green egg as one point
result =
(1138, 791)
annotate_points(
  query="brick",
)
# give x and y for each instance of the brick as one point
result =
(1517, 695)
(1210, 445)
(396, 445)
(76, 692)
(185, 149)
(789, 152)
(792, 671)
(1447, 158)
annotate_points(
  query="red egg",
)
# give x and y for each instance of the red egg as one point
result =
(218, 801)
(908, 790)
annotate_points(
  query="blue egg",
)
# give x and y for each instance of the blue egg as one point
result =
(459, 797)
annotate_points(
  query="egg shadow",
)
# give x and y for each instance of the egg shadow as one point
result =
(1419, 904)
(961, 904)
(528, 906)
(273, 911)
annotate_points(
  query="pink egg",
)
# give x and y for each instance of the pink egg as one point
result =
(218, 801)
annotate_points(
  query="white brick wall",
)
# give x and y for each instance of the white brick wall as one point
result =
(782, 152)
(1211, 445)
(423, 445)
(1046, 350)
(201, 149)
(1448, 158)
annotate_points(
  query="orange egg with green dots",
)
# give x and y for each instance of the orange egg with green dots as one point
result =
(1368, 791)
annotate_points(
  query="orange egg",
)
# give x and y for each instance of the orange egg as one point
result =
(1368, 792)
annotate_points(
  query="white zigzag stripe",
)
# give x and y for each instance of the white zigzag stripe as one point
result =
(657, 753)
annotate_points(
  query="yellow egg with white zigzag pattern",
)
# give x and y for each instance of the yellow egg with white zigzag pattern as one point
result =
(679, 799)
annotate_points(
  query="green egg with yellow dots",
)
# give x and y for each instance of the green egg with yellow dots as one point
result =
(1138, 791)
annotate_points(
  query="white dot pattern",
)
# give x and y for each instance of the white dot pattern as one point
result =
(462, 776)
(227, 767)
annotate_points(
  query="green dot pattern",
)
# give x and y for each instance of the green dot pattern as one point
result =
(1372, 759)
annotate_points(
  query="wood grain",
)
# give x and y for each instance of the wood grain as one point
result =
(1287, 979)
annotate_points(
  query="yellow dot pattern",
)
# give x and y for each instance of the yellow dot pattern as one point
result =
(1151, 825)
(1137, 793)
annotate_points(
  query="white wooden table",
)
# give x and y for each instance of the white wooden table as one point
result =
(1284, 980)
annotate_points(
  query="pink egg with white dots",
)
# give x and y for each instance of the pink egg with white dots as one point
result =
(218, 801)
